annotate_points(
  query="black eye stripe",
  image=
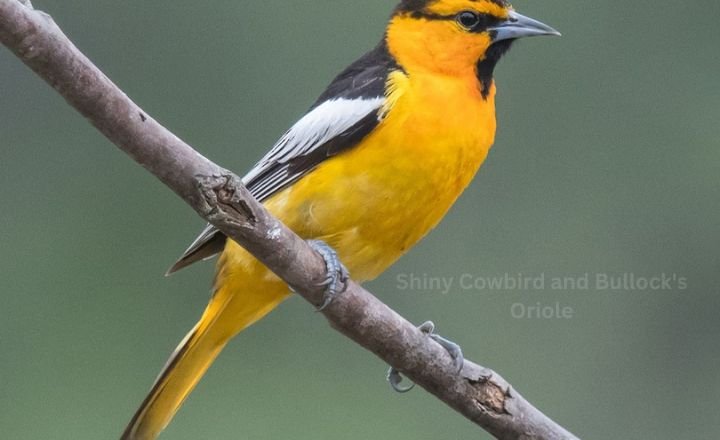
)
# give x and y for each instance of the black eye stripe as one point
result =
(483, 21)
(475, 22)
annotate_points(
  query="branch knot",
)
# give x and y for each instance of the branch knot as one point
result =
(490, 397)
(225, 200)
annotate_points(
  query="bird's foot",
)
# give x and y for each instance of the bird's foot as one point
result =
(337, 274)
(395, 378)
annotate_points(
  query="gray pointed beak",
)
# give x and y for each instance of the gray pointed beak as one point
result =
(519, 26)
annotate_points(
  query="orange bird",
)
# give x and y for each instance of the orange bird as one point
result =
(369, 170)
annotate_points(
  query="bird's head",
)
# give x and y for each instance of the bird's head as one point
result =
(457, 36)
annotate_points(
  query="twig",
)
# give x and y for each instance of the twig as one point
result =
(218, 196)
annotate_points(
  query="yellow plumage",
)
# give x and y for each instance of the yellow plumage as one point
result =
(372, 202)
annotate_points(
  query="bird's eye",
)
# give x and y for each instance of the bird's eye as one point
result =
(468, 19)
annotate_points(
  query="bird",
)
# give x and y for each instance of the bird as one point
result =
(374, 165)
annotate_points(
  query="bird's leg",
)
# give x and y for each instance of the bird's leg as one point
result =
(395, 378)
(337, 273)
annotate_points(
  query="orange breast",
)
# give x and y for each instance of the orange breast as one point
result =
(378, 199)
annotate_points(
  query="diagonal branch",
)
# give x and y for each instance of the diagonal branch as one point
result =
(218, 196)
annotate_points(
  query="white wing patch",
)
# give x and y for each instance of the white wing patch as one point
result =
(319, 126)
(316, 130)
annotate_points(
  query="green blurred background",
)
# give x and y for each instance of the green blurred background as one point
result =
(607, 161)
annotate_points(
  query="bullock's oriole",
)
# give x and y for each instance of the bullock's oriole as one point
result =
(373, 166)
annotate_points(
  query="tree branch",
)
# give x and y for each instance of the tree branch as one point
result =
(218, 196)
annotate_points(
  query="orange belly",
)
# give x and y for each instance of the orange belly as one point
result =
(377, 200)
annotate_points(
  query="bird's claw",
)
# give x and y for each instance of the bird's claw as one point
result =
(395, 378)
(337, 274)
(452, 348)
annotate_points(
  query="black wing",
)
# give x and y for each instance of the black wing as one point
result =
(349, 109)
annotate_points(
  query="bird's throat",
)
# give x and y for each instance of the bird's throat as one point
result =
(486, 67)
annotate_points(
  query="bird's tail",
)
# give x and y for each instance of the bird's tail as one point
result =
(225, 316)
(181, 373)
(242, 296)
